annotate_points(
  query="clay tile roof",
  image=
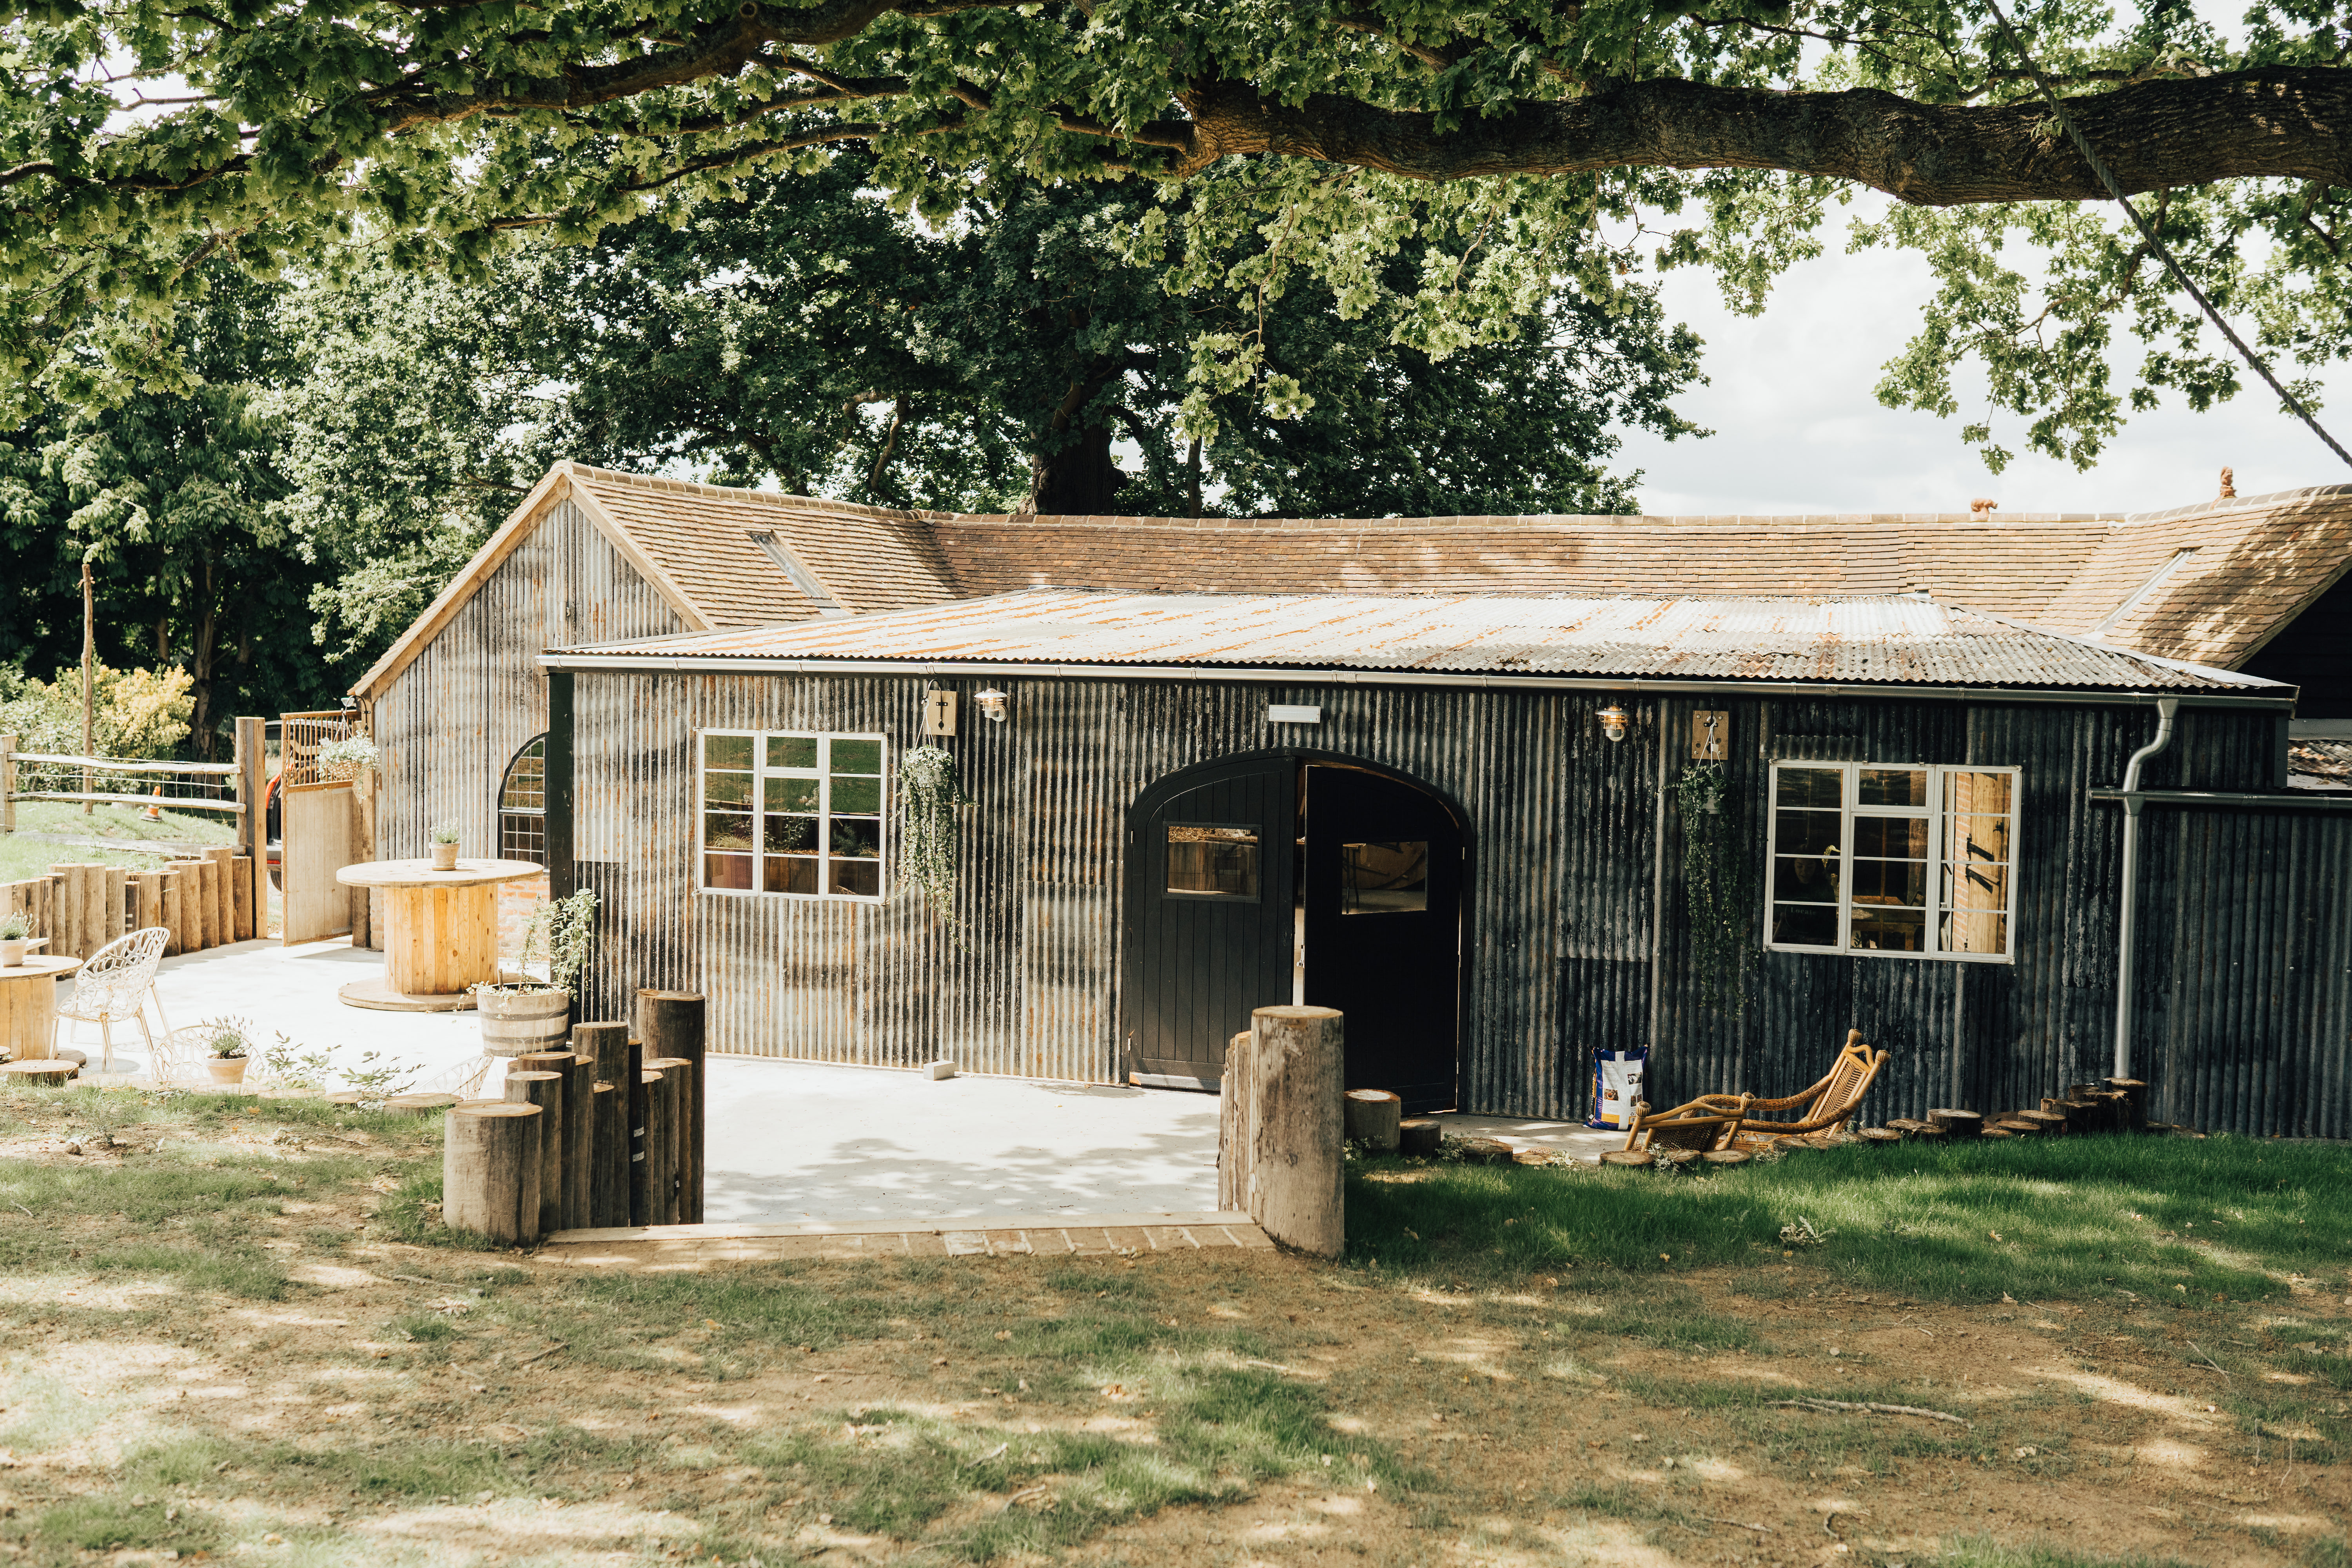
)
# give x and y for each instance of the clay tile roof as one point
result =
(862, 558)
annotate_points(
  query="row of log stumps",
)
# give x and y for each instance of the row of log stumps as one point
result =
(607, 1134)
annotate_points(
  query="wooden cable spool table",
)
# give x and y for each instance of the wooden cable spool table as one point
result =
(28, 1007)
(440, 931)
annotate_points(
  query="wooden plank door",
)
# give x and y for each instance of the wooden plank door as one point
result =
(1383, 929)
(318, 826)
(1209, 914)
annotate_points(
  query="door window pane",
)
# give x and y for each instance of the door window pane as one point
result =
(1207, 862)
(1387, 878)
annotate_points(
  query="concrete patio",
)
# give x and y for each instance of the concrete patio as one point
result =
(793, 1142)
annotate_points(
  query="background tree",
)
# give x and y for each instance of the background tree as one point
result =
(1498, 139)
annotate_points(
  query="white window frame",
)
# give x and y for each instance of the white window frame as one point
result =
(1936, 812)
(761, 772)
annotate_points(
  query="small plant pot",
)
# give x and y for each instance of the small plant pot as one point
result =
(445, 856)
(11, 951)
(226, 1069)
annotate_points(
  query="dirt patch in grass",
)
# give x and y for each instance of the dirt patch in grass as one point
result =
(198, 1359)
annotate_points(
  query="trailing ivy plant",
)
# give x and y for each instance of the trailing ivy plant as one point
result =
(929, 794)
(1716, 886)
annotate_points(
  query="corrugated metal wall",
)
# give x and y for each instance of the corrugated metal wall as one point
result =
(1564, 830)
(450, 722)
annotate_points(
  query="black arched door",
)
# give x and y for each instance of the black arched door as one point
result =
(1382, 902)
(1273, 879)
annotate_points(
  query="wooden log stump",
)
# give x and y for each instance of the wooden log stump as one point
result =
(426, 1104)
(664, 1104)
(1875, 1136)
(1955, 1122)
(1234, 1095)
(2134, 1093)
(608, 1186)
(241, 895)
(1290, 1127)
(490, 1165)
(1375, 1120)
(544, 1089)
(1726, 1157)
(1628, 1157)
(173, 913)
(680, 1075)
(1419, 1136)
(671, 1025)
(40, 1072)
(149, 900)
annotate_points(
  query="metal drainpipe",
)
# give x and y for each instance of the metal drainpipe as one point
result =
(2166, 709)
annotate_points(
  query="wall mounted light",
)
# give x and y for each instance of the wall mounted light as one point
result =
(994, 705)
(1613, 721)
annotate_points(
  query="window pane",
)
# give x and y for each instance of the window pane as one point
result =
(727, 871)
(726, 830)
(1387, 878)
(790, 795)
(1894, 786)
(1976, 837)
(858, 756)
(1987, 793)
(1889, 931)
(1811, 879)
(1978, 931)
(1213, 862)
(1805, 832)
(1805, 925)
(1812, 787)
(791, 751)
(789, 834)
(1890, 882)
(727, 792)
(857, 836)
(791, 873)
(726, 751)
(1894, 837)
(861, 879)
(857, 795)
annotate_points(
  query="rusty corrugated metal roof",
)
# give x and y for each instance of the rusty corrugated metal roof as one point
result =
(1904, 640)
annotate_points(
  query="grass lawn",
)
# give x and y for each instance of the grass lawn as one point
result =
(233, 1325)
(22, 856)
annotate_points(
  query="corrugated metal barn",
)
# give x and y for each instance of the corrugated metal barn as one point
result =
(1460, 819)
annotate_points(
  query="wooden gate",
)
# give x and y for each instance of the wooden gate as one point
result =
(319, 823)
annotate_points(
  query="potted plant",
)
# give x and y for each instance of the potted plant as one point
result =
(444, 847)
(226, 1039)
(524, 1012)
(16, 933)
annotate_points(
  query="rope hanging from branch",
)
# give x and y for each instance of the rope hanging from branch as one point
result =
(2147, 233)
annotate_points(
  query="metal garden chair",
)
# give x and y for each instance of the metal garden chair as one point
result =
(115, 986)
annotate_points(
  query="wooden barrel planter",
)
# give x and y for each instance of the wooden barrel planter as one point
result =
(516, 1022)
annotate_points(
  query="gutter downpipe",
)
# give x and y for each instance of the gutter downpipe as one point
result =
(2167, 709)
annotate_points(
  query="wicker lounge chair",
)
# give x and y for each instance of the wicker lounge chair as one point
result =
(1826, 1107)
(1706, 1123)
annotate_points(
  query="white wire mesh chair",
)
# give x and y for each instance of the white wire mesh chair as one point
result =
(115, 986)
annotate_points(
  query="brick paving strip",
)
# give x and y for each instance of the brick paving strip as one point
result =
(685, 1247)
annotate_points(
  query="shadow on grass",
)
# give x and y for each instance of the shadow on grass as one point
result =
(2068, 1217)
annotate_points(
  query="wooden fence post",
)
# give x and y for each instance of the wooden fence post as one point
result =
(1291, 1124)
(252, 761)
(489, 1171)
(670, 1023)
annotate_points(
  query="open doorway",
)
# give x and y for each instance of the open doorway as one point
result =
(1293, 877)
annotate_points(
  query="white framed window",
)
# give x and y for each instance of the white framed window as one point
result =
(1895, 859)
(795, 811)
